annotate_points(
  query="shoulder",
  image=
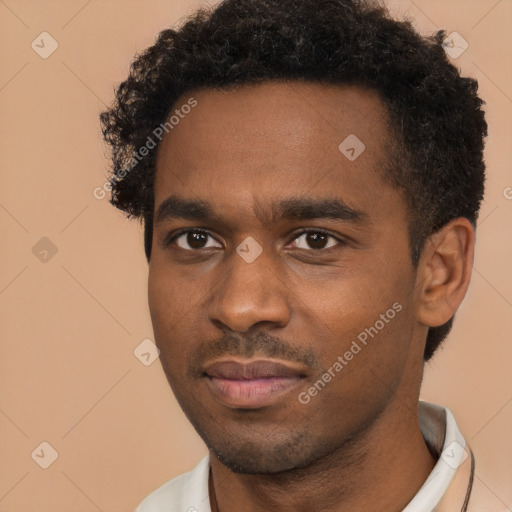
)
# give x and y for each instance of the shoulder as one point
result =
(185, 493)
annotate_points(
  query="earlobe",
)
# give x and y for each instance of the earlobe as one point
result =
(444, 271)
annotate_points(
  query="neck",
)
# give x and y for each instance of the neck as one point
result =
(381, 471)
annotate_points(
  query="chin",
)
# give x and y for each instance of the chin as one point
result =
(253, 466)
(255, 458)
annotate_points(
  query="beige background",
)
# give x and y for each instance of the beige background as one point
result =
(69, 325)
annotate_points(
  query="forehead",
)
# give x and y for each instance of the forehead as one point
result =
(272, 140)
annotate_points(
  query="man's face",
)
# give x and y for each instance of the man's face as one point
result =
(252, 315)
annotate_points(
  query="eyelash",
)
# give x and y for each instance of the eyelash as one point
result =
(169, 240)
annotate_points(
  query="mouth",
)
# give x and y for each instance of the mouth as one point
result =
(253, 384)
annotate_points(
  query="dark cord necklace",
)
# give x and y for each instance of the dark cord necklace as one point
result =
(211, 492)
(470, 484)
(214, 507)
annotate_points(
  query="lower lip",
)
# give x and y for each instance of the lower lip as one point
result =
(251, 393)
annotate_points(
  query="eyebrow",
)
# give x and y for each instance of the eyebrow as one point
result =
(294, 208)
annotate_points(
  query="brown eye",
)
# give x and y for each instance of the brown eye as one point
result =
(192, 239)
(315, 240)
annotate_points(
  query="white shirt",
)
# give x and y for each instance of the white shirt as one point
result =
(443, 491)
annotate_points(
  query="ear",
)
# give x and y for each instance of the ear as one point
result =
(444, 271)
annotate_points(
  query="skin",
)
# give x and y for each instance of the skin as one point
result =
(356, 445)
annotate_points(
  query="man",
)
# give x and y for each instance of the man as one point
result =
(309, 174)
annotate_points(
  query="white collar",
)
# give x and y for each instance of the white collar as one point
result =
(441, 433)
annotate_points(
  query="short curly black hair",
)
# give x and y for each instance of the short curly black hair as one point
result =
(435, 116)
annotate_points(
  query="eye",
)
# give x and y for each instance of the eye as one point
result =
(316, 240)
(193, 238)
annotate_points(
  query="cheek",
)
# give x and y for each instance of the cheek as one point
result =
(367, 316)
(364, 363)
(170, 297)
(174, 302)
(167, 307)
(158, 296)
(354, 301)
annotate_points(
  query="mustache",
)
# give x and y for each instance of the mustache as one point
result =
(262, 344)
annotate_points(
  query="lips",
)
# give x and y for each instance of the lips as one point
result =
(251, 384)
(262, 369)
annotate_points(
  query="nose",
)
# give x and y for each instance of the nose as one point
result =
(251, 293)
